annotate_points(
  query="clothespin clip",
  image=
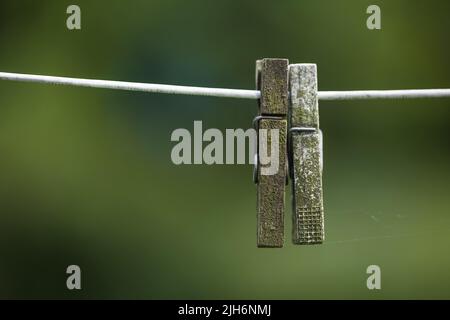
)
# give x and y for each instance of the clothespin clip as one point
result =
(305, 155)
(271, 128)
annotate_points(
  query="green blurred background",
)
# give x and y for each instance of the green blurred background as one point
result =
(86, 175)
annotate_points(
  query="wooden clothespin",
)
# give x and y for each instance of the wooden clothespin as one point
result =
(305, 149)
(272, 81)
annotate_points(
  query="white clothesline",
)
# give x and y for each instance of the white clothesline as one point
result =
(219, 92)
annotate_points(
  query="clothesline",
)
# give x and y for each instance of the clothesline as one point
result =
(220, 92)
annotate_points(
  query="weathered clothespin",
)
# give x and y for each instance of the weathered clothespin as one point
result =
(305, 149)
(272, 81)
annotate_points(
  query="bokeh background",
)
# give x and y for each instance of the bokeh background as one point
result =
(86, 176)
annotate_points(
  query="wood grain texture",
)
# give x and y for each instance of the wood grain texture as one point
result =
(271, 191)
(271, 79)
(274, 86)
(306, 162)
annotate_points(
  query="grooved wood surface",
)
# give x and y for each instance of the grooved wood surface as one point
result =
(306, 147)
(308, 215)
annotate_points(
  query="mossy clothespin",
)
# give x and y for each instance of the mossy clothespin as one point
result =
(272, 81)
(305, 149)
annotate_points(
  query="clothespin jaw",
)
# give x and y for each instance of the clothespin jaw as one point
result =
(305, 146)
(272, 81)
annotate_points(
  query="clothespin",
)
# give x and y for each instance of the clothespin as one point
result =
(272, 81)
(305, 149)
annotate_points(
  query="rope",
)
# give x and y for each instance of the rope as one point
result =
(219, 92)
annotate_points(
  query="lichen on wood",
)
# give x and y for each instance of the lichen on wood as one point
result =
(306, 162)
(271, 80)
